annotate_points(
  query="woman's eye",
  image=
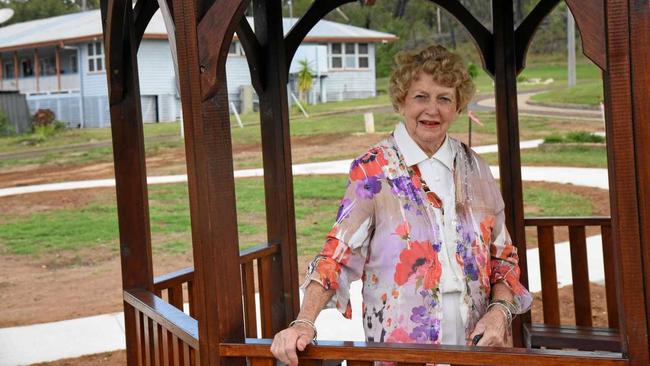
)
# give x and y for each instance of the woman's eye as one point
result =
(420, 96)
(445, 100)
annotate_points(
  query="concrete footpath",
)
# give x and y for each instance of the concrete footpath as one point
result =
(104, 333)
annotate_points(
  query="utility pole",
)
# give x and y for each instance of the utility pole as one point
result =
(438, 20)
(83, 5)
(290, 8)
(571, 48)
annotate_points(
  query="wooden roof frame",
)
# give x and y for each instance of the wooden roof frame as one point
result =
(615, 35)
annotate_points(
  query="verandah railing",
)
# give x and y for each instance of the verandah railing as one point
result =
(167, 336)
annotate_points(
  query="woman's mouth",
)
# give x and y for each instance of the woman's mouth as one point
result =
(428, 123)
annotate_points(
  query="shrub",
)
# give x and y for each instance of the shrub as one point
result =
(553, 139)
(6, 128)
(582, 136)
(42, 117)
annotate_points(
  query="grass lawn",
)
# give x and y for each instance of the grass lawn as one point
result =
(316, 202)
(575, 156)
(587, 94)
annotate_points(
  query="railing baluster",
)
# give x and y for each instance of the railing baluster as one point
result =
(178, 351)
(610, 276)
(190, 297)
(248, 284)
(148, 330)
(580, 274)
(139, 335)
(156, 338)
(176, 296)
(186, 354)
(263, 271)
(550, 298)
(167, 349)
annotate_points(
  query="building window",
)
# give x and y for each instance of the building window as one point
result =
(349, 56)
(95, 56)
(47, 66)
(28, 69)
(8, 70)
(73, 64)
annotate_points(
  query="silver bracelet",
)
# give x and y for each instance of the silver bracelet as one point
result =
(505, 312)
(308, 322)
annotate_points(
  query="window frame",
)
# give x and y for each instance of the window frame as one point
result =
(96, 58)
(344, 56)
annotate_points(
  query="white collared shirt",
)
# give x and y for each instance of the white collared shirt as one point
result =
(437, 172)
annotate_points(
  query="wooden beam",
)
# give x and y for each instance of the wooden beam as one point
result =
(640, 57)
(129, 158)
(590, 19)
(505, 78)
(625, 138)
(143, 12)
(217, 287)
(528, 27)
(57, 63)
(278, 177)
(253, 54)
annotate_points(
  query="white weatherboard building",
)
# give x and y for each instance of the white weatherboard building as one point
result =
(59, 64)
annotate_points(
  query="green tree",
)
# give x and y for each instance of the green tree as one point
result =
(305, 77)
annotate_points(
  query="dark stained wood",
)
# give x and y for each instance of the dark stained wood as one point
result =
(142, 13)
(167, 348)
(253, 53)
(526, 30)
(138, 345)
(261, 361)
(128, 155)
(175, 294)
(278, 176)
(580, 275)
(590, 19)
(568, 221)
(214, 34)
(170, 318)
(550, 298)
(157, 344)
(264, 272)
(573, 337)
(258, 251)
(360, 351)
(624, 182)
(171, 279)
(177, 351)
(640, 67)
(317, 10)
(480, 36)
(508, 137)
(148, 340)
(359, 363)
(610, 276)
(248, 284)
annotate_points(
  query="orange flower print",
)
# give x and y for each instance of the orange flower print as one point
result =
(328, 270)
(334, 249)
(487, 225)
(399, 335)
(420, 261)
(369, 165)
(403, 230)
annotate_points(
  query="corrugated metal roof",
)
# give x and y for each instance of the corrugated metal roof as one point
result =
(86, 25)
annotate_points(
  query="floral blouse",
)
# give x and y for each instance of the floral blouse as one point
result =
(386, 234)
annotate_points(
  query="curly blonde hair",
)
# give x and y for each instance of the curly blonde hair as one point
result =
(446, 68)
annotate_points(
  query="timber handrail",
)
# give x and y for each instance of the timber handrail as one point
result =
(172, 319)
(568, 221)
(364, 353)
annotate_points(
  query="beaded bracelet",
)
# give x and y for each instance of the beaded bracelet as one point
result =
(308, 322)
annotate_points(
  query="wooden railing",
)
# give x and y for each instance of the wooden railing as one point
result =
(257, 351)
(583, 336)
(168, 336)
(165, 335)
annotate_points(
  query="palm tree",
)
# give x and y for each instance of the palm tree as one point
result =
(305, 77)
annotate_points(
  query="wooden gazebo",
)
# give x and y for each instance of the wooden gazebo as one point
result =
(220, 327)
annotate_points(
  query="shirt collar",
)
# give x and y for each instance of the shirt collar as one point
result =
(413, 154)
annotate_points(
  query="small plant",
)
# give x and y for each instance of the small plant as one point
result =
(43, 117)
(6, 128)
(472, 70)
(553, 139)
(580, 137)
(305, 78)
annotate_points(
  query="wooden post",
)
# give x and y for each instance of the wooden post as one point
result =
(37, 69)
(202, 51)
(16, 69)
(57, 62)
(128, 154)
(505, 78)
(276, 146)
(626, 101)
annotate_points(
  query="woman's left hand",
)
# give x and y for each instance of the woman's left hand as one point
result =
(494, 327)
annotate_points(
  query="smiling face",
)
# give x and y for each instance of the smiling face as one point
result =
(428, 110)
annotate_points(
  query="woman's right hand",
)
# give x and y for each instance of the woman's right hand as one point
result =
(286, 342)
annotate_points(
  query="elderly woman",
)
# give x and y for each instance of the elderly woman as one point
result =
(422, 224)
